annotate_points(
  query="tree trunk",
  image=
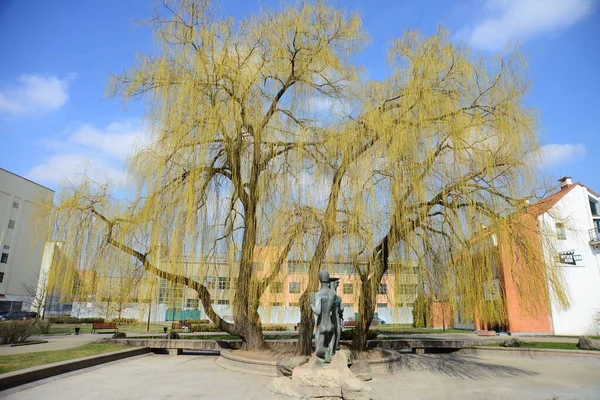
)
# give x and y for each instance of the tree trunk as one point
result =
(366, 309)
(306, 326)
(307, 322)
(305, 330)
(246, 318)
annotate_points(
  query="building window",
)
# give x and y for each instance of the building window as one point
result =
(15, 204)
(209, 282)
(276, 304)
(348, 288)
(192, 303)
(381, 305)
(294, 287)
(4, 258)
(561, 234)
(1, 276)
(409, 290)
(594, 207)
(11, 224)
(297, 267)
(276, 287)
(6, 247)
(382, 289)
(224, 283)
(223, 302)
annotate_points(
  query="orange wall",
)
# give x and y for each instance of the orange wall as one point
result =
(439, 320)
(522, 315)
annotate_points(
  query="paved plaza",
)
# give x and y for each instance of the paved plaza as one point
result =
(52, 343)
(432, 376)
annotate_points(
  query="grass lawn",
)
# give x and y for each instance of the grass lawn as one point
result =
(543, 345)
(27, 360)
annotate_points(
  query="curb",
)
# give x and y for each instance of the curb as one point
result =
(28, 343)
(234, 362)
(530, 351)
(28, 375)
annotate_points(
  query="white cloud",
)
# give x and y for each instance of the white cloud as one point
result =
(312, 189)
(524, 19)
(33, 94)
(556, 155)
(68, 166)
(100, 153)
(325, 105)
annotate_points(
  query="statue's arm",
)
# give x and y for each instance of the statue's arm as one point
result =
(315, 303)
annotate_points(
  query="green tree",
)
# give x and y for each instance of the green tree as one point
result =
(227, 107)
(411, 166)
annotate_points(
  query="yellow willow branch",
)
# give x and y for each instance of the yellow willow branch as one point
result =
(202, 291)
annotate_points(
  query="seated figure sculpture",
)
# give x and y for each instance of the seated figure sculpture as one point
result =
(322, 304)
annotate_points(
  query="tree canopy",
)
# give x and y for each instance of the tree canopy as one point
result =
(265, 134)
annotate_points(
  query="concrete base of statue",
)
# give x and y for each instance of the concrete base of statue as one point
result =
(317, 380)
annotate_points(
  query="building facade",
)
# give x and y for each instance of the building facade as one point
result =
(23, 230)
(574, 219)
(565, 229)
(161, 300)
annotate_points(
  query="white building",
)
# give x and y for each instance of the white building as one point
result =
(568, 225)
(23, 232)
(573, 214)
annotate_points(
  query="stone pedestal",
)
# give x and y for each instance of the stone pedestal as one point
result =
(175, 352)
(316, 380)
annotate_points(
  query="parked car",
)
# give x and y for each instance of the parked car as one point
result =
(349, 323)
(352, 323)
(14, 315)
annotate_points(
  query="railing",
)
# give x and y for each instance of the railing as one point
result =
(594, 235)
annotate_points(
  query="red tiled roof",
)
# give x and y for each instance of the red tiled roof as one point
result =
(547, 203)
(589, 190)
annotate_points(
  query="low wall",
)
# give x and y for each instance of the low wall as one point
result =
(22, 376)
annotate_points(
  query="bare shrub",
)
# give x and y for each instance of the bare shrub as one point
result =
(44, 326)
(16, 331)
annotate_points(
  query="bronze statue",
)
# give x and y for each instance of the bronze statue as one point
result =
(338, 313)
(322, 305)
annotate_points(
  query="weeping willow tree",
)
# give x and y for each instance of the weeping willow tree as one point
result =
(266, 141)
(228, 113)
(439, 150)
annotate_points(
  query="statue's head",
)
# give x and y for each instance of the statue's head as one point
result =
(334, 283)
(324, 276)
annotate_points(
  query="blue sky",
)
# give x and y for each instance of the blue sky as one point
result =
(56, 120)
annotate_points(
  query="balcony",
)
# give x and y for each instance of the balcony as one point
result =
(594, 237)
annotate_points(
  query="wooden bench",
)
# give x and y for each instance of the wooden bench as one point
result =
(104, 325)
(180, 324)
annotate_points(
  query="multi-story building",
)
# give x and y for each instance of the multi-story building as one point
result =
(565, 227)
(279, 303)
(573, 215)
(23, 230)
